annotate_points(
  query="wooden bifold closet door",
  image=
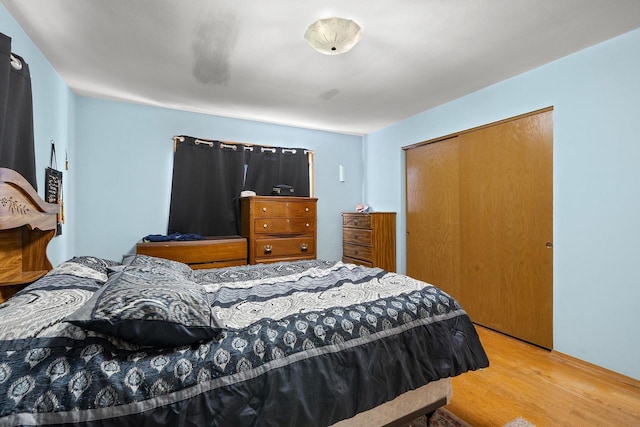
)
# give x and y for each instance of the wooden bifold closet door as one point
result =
(480, 222)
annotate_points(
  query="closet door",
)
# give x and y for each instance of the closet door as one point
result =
(507, 211)
(487, 198)
(433, 214)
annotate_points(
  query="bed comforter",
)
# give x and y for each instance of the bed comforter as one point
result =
(304, 344)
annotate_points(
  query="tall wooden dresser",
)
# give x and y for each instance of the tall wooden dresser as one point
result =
(279, 228)
(369, 239)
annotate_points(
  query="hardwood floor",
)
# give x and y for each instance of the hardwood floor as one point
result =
(546, 388)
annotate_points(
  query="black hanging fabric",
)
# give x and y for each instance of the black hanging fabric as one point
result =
(207, 181)
(262, 171)
(271, 166)
(16, 114)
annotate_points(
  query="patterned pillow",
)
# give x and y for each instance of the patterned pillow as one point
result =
(85, 266)
(149, 306)
(151, 263)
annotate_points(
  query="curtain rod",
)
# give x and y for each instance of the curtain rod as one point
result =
(232, 144)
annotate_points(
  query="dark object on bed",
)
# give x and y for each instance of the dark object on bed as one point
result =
(306, 343)
(27, 224)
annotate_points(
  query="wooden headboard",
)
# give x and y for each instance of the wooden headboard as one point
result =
(27, 224)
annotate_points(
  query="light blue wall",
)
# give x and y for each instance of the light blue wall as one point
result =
(53, 114)
(124, 161)
(596, 98)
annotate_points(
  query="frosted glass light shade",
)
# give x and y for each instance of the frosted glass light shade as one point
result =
(333, 36)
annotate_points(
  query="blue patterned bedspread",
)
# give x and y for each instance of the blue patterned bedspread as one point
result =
(306, 344)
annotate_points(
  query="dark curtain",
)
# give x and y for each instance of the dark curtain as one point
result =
(16, 114)
(207, 181)
(268, 167)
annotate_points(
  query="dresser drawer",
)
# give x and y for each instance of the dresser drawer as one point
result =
(357, 235)
(285, 247)
(268, 209)
(356, 251)
(284, 225)
(356, 220)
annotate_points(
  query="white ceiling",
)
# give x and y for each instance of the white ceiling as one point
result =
(248, 59)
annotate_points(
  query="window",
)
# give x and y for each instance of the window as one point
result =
(209, 175)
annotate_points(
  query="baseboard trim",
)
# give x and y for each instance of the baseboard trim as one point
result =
(596, 370)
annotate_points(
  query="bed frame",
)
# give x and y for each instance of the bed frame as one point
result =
(404, 408)
(27, 225)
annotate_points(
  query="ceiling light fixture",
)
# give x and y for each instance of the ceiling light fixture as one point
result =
(333, 36)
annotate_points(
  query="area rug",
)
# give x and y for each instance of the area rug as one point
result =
(444, 418)
(441, 418)
(519, 422)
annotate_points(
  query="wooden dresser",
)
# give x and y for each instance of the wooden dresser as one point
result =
(369, 239)
(279, 228)
(212, 252)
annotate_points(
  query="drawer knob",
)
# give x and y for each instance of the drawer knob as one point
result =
(264, 225)
(267, 249)
(306, 225)
(303, 247)
(306, 209)
(355, 222)
(264, 209)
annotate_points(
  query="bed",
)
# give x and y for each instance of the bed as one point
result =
(146, 341)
